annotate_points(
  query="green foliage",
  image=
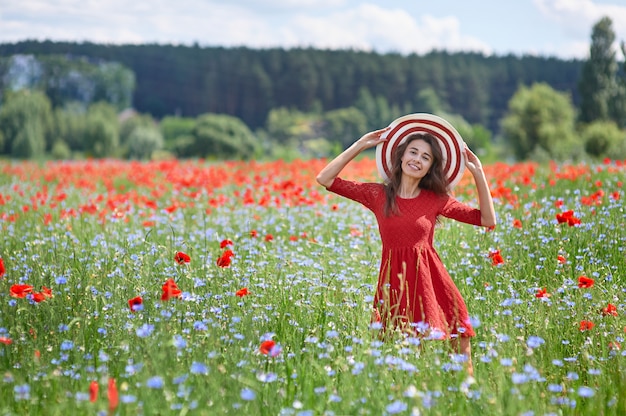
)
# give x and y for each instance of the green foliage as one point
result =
(602, 96)
(288, 126)
(173, 127)
(540, 119)
(428, 101)
(102, 131)
(143, 142)
(604, 139)
(66, 79)
(70, 126)
(114, 83)
(344, 125)
(221, 137)
(376, 109)
(60, 150)
(25, 123)
(130, 120)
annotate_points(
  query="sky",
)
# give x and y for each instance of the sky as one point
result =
(553, 28)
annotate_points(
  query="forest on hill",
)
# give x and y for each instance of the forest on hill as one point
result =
(73, 100)
(248, 83)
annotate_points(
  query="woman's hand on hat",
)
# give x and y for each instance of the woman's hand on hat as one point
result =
(472, 161)
(373, 138)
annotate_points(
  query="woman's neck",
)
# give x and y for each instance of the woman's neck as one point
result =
(409, 188)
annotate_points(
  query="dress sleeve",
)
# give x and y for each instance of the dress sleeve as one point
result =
(459, 211)
(365, 193)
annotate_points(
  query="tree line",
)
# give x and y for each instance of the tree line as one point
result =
(191, 101)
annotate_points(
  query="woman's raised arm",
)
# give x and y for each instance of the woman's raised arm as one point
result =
(487, 211)
(328, 174)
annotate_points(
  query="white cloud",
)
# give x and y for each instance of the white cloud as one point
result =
(576, 18)
(370, 27)
(331, 24)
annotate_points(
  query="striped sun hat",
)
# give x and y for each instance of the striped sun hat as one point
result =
(451, 142)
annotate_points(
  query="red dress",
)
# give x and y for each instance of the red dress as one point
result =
(414, 289)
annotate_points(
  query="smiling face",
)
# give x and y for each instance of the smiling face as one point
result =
(417, 159)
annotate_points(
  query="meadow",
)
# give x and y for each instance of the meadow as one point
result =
(196, 288)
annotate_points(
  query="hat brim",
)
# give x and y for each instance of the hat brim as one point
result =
(450, 141)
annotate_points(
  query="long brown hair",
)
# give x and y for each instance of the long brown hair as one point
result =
(435, 180)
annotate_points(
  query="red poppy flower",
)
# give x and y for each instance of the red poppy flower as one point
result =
(135, 303)
(586, 325)
(6, 341)
(226, 258)
(567, 217)
(242, 292)
(113, 395)
(585, 282)
(181, 257)
(93, 391)
(46, 291)
(170, 290)
(269, 237)
(43, 295)
(266, 347)
(561, 259)
(20, 291)
(254, 233)
(610, 309)
(542, 293)
(496, 258)
(225, 243)
(614, 345)
(3, 270)
(517, 223)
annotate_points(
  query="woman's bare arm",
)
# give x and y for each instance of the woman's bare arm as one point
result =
(328, 174)
(487, 211)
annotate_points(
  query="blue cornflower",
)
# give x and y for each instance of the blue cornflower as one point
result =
(584, 391)
(534, 341)
(155, 382)
(247, 394)
(145, 330)
(555, 388)
(199, 368)
(179, 342)
(67, 345)
(332, 334)
(267, 377)
(127, 398)
(396, 407)
(22, 392)
(507, 362)
(81, 397)
(519, 378)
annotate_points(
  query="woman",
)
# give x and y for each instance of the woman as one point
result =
(414, 291)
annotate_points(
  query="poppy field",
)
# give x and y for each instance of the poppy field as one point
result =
(189, 287)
